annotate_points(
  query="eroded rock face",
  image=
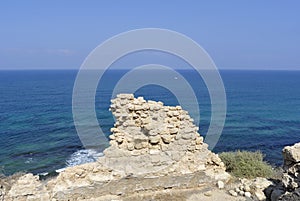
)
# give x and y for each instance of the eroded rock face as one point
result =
(28, 187)
(289, 187)
(291, 156)
(153, 147)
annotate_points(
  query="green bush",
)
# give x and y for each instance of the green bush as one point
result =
(245, 164)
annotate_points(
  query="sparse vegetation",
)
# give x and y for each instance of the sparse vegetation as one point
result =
(245, 164)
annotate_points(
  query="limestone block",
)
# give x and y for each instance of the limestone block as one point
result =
(166, 138)
(154, 139)
(173, 130)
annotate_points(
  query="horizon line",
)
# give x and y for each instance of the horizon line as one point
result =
(222, 69)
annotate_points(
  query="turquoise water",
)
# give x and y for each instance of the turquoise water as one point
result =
(37, 132)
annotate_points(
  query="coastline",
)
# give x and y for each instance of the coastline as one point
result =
(42, 113)
(155, 153)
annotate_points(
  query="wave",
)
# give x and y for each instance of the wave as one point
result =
(83, 156)
(77, 158)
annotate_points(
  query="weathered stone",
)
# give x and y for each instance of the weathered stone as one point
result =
(130, 146)
(166, 138)
(289, 186)
(138, 145)
(191, 148)
(199, 140)
(28, 186)
(290, 196)
(154, 139)
(125, 96)
(260, 195)
(164, 147)
(261, 183)
(208, 193)
(144, 115)
(247, 188)
(233, 193)
(220, 184)
(138, 107)
(154, 151)
(291, 154)
(120, 140)
(198, 147)
(248, 194)
(155, 159)
(173, 130)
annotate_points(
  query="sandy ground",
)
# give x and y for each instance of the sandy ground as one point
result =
(201, 194)
(216, 195)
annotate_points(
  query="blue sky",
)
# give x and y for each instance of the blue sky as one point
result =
(237, 34)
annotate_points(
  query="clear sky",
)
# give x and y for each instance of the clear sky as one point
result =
(237, 34)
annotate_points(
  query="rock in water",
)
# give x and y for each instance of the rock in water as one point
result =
(153, 147)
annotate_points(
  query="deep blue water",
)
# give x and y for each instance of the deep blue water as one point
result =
(37, 132)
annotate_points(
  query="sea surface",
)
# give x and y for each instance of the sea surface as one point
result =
(37, 132)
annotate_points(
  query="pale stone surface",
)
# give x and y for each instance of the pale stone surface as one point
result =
(220, 184)
(291, 154)
(260, 195)
(252, 187)
(289, 186)
(233, 193)
(28, 187)
(152, 148)
(248, 194)
(217, 195)
(208, 193)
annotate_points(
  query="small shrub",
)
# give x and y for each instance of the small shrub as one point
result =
(245, 164)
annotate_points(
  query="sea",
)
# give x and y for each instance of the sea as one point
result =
(38, 135)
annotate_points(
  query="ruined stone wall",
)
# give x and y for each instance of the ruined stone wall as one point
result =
(154, 137)
(153, 147)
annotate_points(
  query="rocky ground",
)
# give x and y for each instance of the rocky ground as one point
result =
(155, 153)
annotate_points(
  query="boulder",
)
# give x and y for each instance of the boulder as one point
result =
(252, 188)
(28, 187)
(288, 188)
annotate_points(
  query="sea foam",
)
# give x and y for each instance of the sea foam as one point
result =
(83, 156)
